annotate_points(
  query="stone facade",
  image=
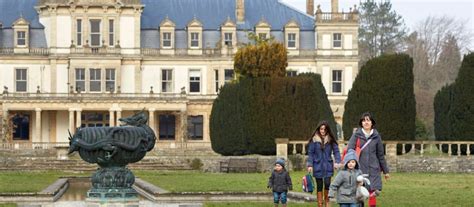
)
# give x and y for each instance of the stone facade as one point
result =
(84, 63)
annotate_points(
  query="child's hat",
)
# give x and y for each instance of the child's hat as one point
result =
(280, 161)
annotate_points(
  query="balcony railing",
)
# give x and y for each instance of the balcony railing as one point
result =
(31, 51)
(95, 50)
(104, 96)
(328, 17)
(179, 52)
(419, 148)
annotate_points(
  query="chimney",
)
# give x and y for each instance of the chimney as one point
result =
(240, 10)
(334, 6)
(310, 7)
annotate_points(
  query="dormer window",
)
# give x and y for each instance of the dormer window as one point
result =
(262, 29)
(194, 28)
(95, 32)
(166, 39)
(228, 39)
(291, 40)
(21, 35)
(167, 36)
(262, 36)
(21, 38)
(194, 39)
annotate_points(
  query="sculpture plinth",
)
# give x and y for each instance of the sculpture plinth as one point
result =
(112, 148)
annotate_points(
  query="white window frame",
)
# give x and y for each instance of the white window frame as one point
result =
(76, 80)
(228, 39)
(21, 38)
(79, 28)
(111, 32)
(195, 79)
(95, 33)
(110, 78)
(93, 73)
(167, 40)
(337, 40)
(262, 36)
(194, 40)
(167, 80)
(291, 40)
(289, 73)
(23, 78)
(336, 80)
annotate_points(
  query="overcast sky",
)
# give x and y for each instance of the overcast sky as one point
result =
(412, 11)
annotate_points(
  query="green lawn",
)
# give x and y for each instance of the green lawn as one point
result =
(403, 189)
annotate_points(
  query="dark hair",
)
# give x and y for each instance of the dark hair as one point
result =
(328, 132)
(367, 114)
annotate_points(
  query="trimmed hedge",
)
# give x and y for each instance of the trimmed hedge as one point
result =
(454, 107)
(384, 87)
(248, 115)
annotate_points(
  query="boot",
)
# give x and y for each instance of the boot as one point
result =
(326, 198)
(320, 199)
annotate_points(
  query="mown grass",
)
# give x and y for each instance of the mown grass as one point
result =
(403, 189)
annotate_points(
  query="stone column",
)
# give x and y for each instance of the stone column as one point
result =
(151, 119)
(78, 118)
(4, 118)
(183, 127)
(111, 118)
(391, 156)
(71, 121)
(38, 125)
(119, 115)
(282, 147)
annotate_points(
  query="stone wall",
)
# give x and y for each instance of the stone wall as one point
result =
(461, 164)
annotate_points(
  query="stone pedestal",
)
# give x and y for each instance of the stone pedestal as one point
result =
(282, 147)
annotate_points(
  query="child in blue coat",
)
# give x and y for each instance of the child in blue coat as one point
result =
(321, 147)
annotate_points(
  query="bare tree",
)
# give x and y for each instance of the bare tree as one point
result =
(436, 30)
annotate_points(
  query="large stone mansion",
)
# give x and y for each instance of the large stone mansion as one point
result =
(66, 64)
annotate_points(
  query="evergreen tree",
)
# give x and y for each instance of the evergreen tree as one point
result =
(384, 87)
(248, 115)
(381, 29)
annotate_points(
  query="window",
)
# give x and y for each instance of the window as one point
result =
(94, 83)
(194, 39)
(79, 32)
(166, 39)
(195, 127)
(111, 32)
(80, 79)
(337, 81)
(95, 32)
(20, 80)
(21, 131)
(291, 40)
(167, 127)
(291, 73)
(262, 36)
(228, 75)
(110, 79)
(166, 80)
(21, 38)
(337, 40)
(228, 39)
(95, 119)
(194, 81)
(216, 79)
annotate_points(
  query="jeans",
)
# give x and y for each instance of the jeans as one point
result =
(277, 196)
(348, 204)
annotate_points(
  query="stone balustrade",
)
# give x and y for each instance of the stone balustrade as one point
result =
(406, 147)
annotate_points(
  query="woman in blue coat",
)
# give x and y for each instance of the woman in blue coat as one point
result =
(322, 145)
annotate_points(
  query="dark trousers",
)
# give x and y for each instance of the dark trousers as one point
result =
(319, 183)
